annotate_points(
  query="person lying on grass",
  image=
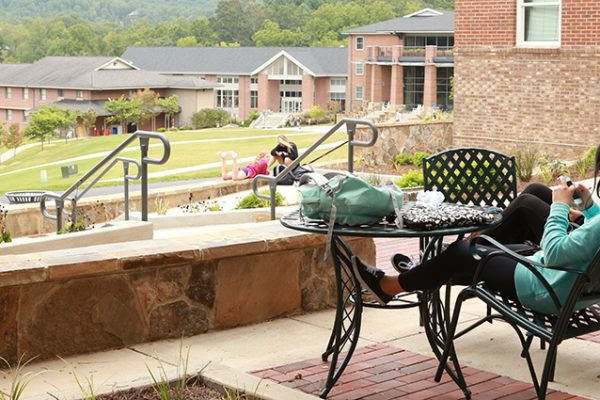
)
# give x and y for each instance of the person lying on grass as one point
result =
(257, 167)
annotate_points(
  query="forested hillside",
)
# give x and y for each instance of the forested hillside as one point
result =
(109, 10)
(32, 29)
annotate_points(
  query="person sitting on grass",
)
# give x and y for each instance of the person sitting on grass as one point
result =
(257, 167)
(559, 246)
(284, 153)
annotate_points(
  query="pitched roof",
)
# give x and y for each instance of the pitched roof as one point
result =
(91, 73)
(423, 21)
(322, 61)
(83, 106)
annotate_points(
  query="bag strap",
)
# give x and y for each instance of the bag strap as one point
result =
(399, 220)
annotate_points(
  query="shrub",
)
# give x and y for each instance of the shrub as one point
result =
(526, 160)
(581, 166)
(185, 128)
(161, 130)
(210, 118)
(551, 168)
(411, 178)
(253, 116)
(590, 157)
(253, 201)
(417, 158)
(5, 235)
(317, 113)
(402, 159)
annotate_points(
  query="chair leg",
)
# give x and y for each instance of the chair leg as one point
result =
(449, 346)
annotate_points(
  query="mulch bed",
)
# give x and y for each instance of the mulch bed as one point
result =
(194, 391)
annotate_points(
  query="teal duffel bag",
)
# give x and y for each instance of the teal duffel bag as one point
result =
(348, 200)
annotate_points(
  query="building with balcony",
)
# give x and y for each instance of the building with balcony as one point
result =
(288, 80)
(406, 61)
(85, 83)
(527, 72)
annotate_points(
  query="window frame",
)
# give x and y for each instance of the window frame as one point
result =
(8, 93)
(43, 94)
(25, 94)
(362, 92)
(360, 39)
(362, 68)
(521, 7)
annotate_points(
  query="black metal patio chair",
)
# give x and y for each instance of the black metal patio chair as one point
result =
(567, 322)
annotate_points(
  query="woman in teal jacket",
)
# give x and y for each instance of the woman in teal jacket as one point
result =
(558, 247)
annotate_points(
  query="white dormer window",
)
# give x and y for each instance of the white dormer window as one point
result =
(360, 43)
(538, 23)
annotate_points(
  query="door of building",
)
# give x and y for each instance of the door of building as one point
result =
(291, 105)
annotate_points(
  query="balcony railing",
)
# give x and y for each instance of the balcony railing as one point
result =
(397, 54)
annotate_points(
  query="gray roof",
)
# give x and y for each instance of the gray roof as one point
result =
(322, 61)
(83, 106)
(417, 23)
(82, 73)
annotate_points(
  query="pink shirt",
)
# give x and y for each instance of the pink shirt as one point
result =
(257, 168)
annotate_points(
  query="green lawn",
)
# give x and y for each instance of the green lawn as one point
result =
(187, 149)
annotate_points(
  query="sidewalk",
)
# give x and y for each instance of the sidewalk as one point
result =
(280, 359)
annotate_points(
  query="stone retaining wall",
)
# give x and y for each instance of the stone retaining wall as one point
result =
(109, 296)
(405, 137)
(27, 220)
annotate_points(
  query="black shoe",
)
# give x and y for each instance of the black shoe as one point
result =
(402, 263)
(369, 278)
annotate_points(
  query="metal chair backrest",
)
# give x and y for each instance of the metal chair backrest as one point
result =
(472, 176)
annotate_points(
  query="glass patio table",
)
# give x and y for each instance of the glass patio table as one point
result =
(434, 312)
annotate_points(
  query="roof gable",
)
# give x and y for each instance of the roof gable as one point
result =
(426, 12)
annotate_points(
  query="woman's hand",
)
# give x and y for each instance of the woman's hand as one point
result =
(574, 214)
(563, 193)
(585, 195)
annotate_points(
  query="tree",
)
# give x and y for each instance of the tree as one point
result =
(88, 119)
(123, 111)
(46, 121)
(13, 138)
(147, 103)
(272, 35)
(169, 106)
(237, 20)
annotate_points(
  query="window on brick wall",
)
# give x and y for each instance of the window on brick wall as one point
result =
(360, 43)
(25, 93)
(359, 93)
(8, 93)
(359, 68)
(42, 94)
(538, 23)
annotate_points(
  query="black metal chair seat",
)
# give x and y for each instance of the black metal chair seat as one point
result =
(568, 322)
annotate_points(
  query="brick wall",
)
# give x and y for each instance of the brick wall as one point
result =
(505, 96)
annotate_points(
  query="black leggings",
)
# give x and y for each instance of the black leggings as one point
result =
(456, 261)
(525, 216)
(522, 220)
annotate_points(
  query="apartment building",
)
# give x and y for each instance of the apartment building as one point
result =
(84, 83)
(527, 71)
(288, 80)
(406, 61)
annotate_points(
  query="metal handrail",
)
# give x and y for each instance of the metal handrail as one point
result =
(142, 165)
(351, 124)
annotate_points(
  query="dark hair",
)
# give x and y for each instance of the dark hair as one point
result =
(596, 170)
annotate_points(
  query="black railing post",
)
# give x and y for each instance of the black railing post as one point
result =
(144, 144)
(126, 189)
(351, 128)
(60, 204)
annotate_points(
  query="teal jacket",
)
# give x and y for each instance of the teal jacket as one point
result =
(559, 248)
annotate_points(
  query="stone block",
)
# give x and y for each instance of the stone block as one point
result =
(256, 288)
(9, 301)
(177, 319)
(78, 316)
(203, 283)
